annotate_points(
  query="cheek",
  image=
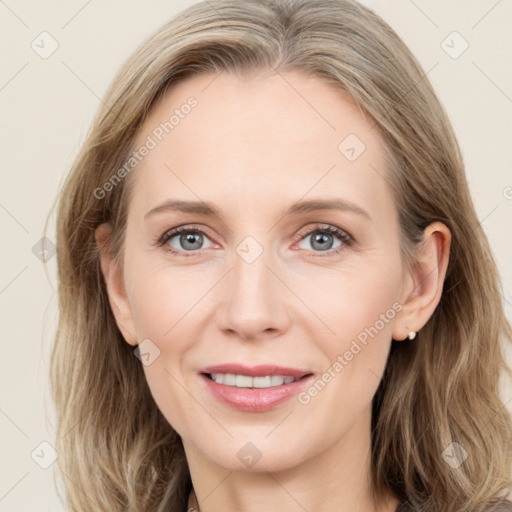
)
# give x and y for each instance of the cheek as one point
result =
(162, 302)
(161, 296)
(361, 314)
(352, 300)
(358, 309)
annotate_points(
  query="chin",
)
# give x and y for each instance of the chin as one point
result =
(256, 456)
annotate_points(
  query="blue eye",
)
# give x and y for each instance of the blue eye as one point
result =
(190, 240)
(322, 240)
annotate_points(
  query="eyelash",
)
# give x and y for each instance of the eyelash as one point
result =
(346, 239)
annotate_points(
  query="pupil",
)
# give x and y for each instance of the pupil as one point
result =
(322, 239)
(190, 238)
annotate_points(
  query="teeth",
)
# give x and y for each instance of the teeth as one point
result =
(244, 381)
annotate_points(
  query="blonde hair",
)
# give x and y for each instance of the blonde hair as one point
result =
(117, 451)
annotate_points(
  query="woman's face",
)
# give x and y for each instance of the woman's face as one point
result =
(261, 281)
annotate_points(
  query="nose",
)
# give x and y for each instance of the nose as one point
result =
(254, 300)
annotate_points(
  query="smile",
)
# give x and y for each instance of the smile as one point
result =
(245, 381)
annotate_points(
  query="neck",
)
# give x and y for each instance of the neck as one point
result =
(335, 479)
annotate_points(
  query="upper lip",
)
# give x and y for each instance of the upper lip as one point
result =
(256, 371)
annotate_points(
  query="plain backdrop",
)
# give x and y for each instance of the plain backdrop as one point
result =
(47, 104)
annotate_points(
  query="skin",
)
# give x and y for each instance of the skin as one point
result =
(255, 145)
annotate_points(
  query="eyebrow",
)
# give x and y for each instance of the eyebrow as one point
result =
(301, 207)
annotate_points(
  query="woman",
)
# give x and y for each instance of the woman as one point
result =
(275, 293)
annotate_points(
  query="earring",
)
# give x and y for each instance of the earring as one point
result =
(412, 335)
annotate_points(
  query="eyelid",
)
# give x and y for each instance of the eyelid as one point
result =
(170, 233)
(329, 228)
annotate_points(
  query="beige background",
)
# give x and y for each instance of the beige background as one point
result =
(47, 105)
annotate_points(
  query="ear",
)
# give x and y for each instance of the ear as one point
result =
(114, 281)
(423, 285)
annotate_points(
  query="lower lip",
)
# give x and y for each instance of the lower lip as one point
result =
(254, 399)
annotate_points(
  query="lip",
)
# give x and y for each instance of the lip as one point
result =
(255, 399)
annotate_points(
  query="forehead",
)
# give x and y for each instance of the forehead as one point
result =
(251, 140)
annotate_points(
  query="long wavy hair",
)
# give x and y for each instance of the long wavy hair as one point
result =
(117, 451)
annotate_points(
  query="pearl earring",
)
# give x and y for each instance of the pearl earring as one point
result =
(412, 335)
